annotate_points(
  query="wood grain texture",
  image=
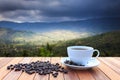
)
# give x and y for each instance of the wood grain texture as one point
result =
(4, 71)
(111, 64)
(60, 75)
(113, 61)
(98, 74)
(107, 70)
(72, 75)
(26, 76)
(4, 61)
(14, 75)
(84, 75)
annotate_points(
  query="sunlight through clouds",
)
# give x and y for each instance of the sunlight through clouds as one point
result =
(55, 36)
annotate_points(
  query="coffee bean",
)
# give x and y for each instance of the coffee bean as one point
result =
(55, 74)
(62, 68)
(41, 72)
(8, 67)
(12, 67)
(72, 63)
(29, 72)
(23, 70)
(57, 64)
(65, 71)
(39, 67)
(17, 69)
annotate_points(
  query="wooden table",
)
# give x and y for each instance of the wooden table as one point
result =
(109, 69)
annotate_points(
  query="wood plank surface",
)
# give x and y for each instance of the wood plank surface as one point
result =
(4, 71)
(111, 64)
(42, 77)
(118, 58)
(109, 69)
(1, 58)
(14, 75)
(60, 75)
(71, 74)
(83, 73)
(4, 61)
(113, 61)
(26, 76)
(98, 74)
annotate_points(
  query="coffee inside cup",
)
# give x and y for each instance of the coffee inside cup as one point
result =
(79, 48)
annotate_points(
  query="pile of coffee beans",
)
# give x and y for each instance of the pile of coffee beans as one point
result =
(72, 63)
(40, 67)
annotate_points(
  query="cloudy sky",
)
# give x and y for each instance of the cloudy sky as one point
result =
(57, 10)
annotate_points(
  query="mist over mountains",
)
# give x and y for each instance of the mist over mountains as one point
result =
(43, 32)
(9, 35)
(96, 25)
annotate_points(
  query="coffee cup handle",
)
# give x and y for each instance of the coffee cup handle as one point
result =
(98, 53)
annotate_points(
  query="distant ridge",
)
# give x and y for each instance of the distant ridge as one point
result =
(8, 35)
(96, 25)
(108, 43)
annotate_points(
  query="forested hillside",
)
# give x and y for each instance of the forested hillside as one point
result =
(108, 44)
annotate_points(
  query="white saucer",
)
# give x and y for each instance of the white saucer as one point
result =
(92, 63)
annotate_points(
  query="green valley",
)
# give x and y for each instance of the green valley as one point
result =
(108, 43)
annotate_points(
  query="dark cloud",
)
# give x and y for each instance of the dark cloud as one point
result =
(55, 10)
(85, 8)
(6, 5)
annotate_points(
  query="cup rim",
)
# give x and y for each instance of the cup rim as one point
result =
(88, 48)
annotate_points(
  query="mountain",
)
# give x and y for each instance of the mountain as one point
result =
(9, 35)
(18, 43)
(107, 43)
(96, 25)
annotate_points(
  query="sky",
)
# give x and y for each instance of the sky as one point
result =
(57, 10)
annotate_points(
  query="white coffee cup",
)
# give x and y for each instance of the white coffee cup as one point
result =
(81, 54)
